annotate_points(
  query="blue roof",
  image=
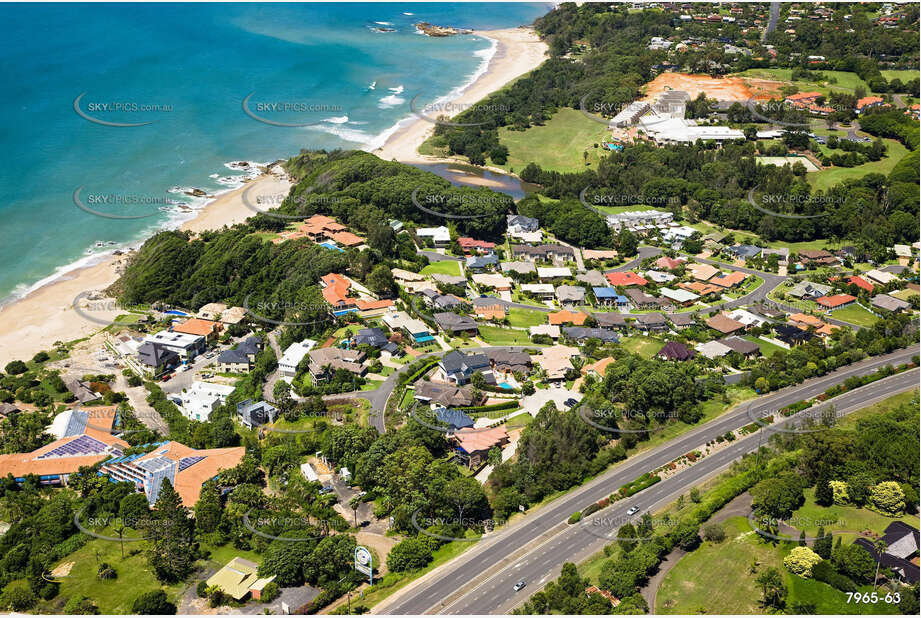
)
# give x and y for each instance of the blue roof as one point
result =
(609, 292)
(453, 418)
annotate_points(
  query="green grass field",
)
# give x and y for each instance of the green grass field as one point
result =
(495, 335)
(855, 314)
(905, 76)
(849, 520)
(832, 176)
(647, 347)
(767, 348)
(716, 578)
(445, 267)
(557, 145)
(834, 80)
(524, 318)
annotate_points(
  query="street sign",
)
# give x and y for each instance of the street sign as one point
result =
(364, 563)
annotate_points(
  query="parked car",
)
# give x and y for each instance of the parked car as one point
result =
(166, 378)
(570, 402)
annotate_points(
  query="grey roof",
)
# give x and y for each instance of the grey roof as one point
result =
(466, 364)
(676, 351)
(529, 224)
(518, 267)
(579, 333)
(482, 261)
(81, 391)
(681, 319)
(256, 413)
(889, 303)
(446, 301)
(455, 419)
(507, 359)
(744, 250)
(239, 355)
(371, 336)
(450, 279)
(541, 250)
(153, 355)
(742, 346)
(453, 322)
(593, 278)
(445, 394)
(609, 318)
(570, 293)
(651, 319)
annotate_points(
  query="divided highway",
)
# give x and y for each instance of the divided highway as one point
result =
(533, 549)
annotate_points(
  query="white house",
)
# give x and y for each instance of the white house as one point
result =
(440, 236)
(185, 345)
(293, 355)
(202, 398)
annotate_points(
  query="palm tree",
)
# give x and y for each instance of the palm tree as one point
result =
(880, 546)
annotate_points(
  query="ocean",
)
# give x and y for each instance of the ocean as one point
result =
(311, 75)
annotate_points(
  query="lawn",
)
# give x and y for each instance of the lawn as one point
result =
(905, 76)
(519, 420)
(834, 80)
(444, 267)
(495, 335)
(525, 318)
(117, 595)
(832, 176)
(716, 578)
(647, 347)
(855, 314)
(767, 348)
(849, 520)
(558, 145)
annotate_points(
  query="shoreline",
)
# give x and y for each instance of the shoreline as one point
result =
(45, 314)
(518, 51)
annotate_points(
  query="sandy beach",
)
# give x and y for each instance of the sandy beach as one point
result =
(47, 315)
(518, 51)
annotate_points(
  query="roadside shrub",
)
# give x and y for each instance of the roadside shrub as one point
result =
(714, 533)
(575, 517)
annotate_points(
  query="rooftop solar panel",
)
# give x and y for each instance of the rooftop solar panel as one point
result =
(80, 446)
(185, 462)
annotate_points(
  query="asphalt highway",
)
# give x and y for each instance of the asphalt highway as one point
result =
(534, 549)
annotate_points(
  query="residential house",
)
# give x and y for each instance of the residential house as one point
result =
(453, 419)
(548, 253)
(187, 469)
(566, 317)
(202, 398)
(651, 322)
(417, 331)
(551, 273)
(157, 356)
(681, 320)
(643, 301)
(889, 303)
(702, 272)
(608, 297)
(867, 103)
(659, 277)
(599, 254)
(668, 263)
(581, 335)
(746, 318)
(336, 289)
(241, 358)
(459, 368)
(791, 335)
(881, 276)
(783, 254)
(679, 296)
(593, 278)
(186, 346)
(701, 288)
(455, 280)
(743, 252)
(472, 446)
(555, 361)
(743, 346)
(376, 338)
(550, 330)
(495, 281)
(570, 295)
(520, 223)
(471, 245)
(293, 355)
(901, 542)
(810, 322)
(449, 395)
(82, 391)
(452, 323)
(836, 301)
(724, 324)
(239, 579)
(324, 362)
(712, 349)
(625, 279)
(488, 308)
(728, 281)
(816, 256)
(479, 263)
(597, 368)
(809, 290)
(543, 291)
(506, 361)
(221, 313)
(675, 351)
(610, 319)
(440, 236)
(256, 413)
(522, 268)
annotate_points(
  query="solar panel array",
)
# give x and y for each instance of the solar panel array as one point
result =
(83, 445)
(185, 462)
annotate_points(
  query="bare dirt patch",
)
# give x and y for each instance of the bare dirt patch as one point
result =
(719, 88)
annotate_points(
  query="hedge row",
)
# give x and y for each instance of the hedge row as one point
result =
(508, 405)
(638, 485)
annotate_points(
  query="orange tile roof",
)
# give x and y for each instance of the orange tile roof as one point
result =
(861, 103)
(731, 280)
(188, 482)
(724, 324)
(336, 289)
(835, 300)
(598, 367)
(197, 326)
(702, 272)
(860, 282)
(346, 238)
(473, 440)
(804, 321)
(804, 96)
(700, 288)
(562, 317)
(370, 305)
(490, 313)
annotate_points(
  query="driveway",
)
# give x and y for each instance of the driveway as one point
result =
(533, 403)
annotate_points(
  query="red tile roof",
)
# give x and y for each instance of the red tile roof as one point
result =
(625, 279)
(835, 300)
(860, 282)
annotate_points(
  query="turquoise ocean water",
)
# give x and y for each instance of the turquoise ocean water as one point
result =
(347, 70)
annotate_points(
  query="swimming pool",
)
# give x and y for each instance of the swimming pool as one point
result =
(330, 245)
(176, 312)
(506, 386)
